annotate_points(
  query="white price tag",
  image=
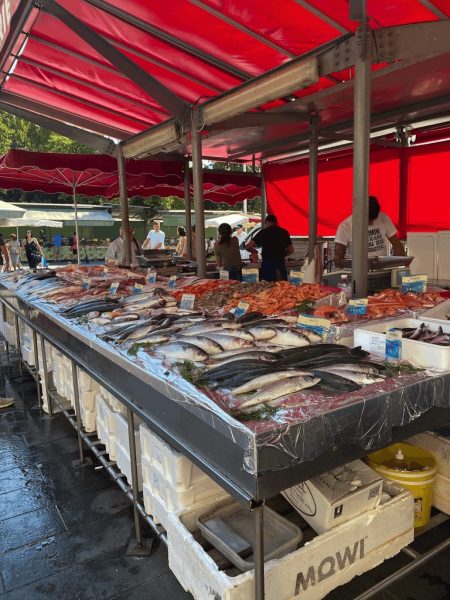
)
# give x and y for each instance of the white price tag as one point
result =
(187, 301)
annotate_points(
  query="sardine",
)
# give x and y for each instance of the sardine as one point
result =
(264, 380)
(278, 389)
(207, 344)
(182, 351)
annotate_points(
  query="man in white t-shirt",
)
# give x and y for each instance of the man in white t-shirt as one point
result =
(380, 229)
(155, 238)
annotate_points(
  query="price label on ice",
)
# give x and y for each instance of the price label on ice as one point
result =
(393, 350)
(319, 326)
(250, 275)
(241, 309)
(414, 283)
(86, 284)
(357, 306)
(114, 287)
(137, 289)
(151, 276)
(172, 281)
(187, 301)
(296, 277)
(225, 275)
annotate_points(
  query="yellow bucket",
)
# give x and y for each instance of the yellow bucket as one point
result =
(414, 469)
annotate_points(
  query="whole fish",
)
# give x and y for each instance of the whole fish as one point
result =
(204, 327)
(252, 355)
(264, 380)
(360, 377)
(335, 382)
(359, 368)
(289, 337)
(154, 339)
(238, 333)
(312, 336)
(207, 344)
(261, 332)
(182, 351)
(228, 342)
(278, 389)
(236, 354)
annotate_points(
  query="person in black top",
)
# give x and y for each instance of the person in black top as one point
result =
(276, 244)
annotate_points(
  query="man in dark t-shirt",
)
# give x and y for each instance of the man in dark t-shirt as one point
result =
(276, 244)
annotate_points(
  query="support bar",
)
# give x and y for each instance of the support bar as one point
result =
(313, 184)
(124, 213)
(197, 177)
(187, 207)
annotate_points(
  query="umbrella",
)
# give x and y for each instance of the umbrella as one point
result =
(232, 219)
(10, 211)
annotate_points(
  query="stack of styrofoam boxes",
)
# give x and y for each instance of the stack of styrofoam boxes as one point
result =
(88, 389)
(310, 572)
(439, 447)
(123, 447)
(9, 329)
(171, 482)
(106, 421)
(26, 341)
(52, 359)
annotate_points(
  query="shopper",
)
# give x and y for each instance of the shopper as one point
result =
(33, 250)
(57, 243)
(115, 253)
(74, 244)
(182, 241)
(276, 244)
(4, 254)
(227, 252)
(240, 233)
(14, 251)
(155, 238)
(380, 228)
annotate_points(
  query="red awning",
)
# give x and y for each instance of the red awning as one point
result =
(96, 175)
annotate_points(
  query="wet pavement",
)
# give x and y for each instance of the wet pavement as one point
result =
(64, 531)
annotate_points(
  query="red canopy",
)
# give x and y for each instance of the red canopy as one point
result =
(96, 175)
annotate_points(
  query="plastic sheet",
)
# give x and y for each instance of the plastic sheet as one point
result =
(310, 424)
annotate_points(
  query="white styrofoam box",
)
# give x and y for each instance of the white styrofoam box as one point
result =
(373, 338)
(438, 313)
(28, 355)
(147, 497)
(124, 464)
(436, 445)
(175, 498)
(423, 246)
(177, 468)
(311, 572)
(88, 418)
(441, 493)
(87, 399)
(9, 333)
(106, 424)
(121, 430)
(116, 405)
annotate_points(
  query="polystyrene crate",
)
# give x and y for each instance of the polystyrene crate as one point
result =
(311, 572)
(441, 493)
(9, 333)
(87, 399)
(117, 405)
(438, 446)
(124, 464)
(178, 469)
(28, 355)
(121, 430)
(88, 418)
(177, 498)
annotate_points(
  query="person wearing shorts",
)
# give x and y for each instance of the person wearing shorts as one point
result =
(14, 251)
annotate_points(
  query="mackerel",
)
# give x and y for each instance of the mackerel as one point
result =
(264, 380)
(276, 390)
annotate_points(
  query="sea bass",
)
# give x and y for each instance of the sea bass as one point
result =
(182, 351)
(228, 342)
(278, 389)
(289, 337)
(264, 380)
(207, 344)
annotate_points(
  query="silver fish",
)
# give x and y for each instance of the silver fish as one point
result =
(277, 389)
(238, 358)
(154, 339)
(313, 337)
(182, 351)
(262, 333)
(207, 344)
(238, 333)
(239, 353)
(264, 380)
(228, 342)
(356, 376)
(202, 328)
(352, 367)
(289, 337)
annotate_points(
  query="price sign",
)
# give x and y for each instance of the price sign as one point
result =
(172, 281)
(114, 287)
(86, 284)
(250, 275)
(241, 309)
(137, 289)
(414, 283)
(151, 276)
(296, 277)
(224, 274)
(319, 326)
(393, 351)
(187, 301)
(357, 306)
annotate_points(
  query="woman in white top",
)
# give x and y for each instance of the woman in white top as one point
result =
(14, 251)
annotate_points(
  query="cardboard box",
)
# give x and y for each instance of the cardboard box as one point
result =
(441, 494)
(311, 572)
(436, 445)
(337, 496)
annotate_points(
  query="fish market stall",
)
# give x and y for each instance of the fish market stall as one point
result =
(255, 401)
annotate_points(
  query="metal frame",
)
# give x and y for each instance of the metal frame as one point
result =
(124, 212)
(199, 209)
(187, 207)
(18, 21)
(139, 76)
(313, 184)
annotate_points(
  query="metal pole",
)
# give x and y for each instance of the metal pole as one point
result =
(77, 411)
(75, 208)
(36, 369)
(199, 209)
(263, 198)
(403, 204)
(134, 475)
(313, 184)
(361, 147)
(259, 552)
(19, 350)
(44, 368)
(124, 215)
(187, 207)
(4, 321)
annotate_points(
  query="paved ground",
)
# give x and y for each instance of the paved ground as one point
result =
(64, 531)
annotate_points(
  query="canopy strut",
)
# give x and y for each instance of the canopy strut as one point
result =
(124, 214)
(199, 209)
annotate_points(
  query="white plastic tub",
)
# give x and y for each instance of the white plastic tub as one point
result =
(422, 354)
(439, 313)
